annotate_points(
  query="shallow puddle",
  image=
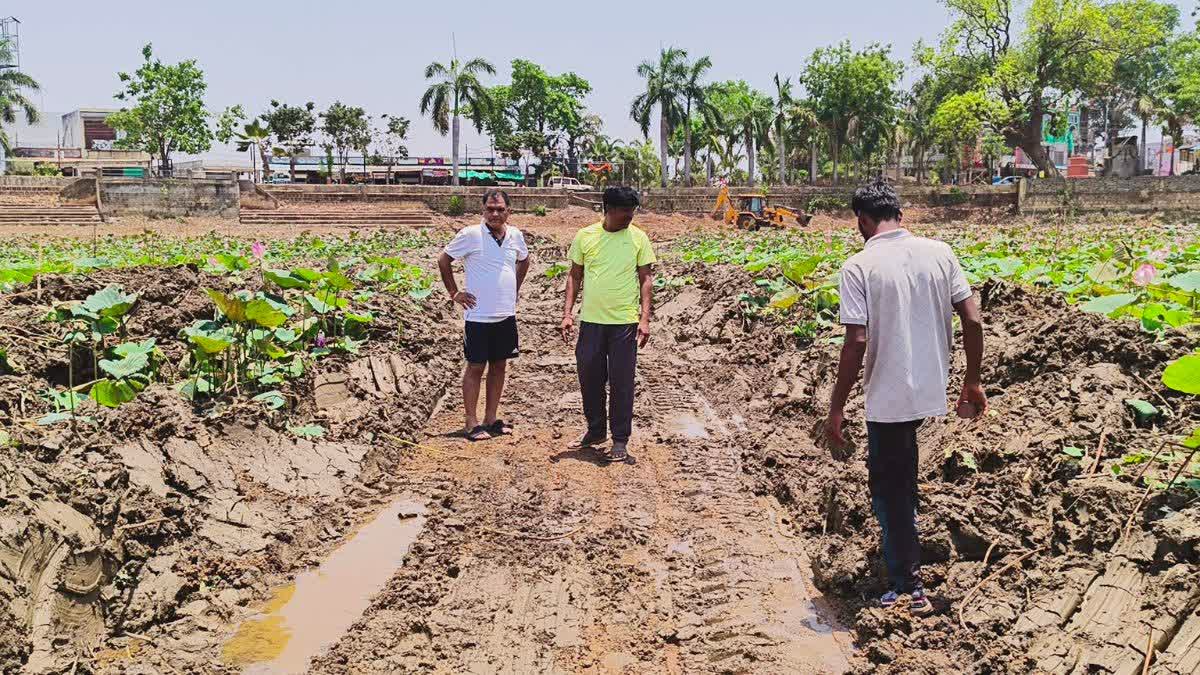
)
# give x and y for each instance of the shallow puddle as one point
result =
(689, 426)
(306, 617)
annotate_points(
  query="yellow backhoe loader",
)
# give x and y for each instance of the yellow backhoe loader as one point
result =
(752, 211)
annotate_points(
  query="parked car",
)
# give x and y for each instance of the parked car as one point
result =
(567, 183)
(1006, 180)
(280, 178)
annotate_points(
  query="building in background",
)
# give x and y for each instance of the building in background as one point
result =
(78, 143)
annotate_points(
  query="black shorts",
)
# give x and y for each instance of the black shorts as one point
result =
(487, 342)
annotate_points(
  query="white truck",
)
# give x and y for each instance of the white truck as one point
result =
(567, 184)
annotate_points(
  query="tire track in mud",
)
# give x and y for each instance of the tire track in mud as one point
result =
(668, 564)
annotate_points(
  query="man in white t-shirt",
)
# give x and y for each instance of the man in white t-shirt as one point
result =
(496, 261)
(898, 298)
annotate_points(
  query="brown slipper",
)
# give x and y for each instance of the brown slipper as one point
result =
(479, 433)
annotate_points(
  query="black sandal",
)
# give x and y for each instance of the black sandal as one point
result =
(500, 428)
(617, 454)
(479, 433)
(586, 442)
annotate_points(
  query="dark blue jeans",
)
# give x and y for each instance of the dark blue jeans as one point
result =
(892, 474)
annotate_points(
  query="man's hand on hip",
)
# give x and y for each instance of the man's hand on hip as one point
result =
(465, 299)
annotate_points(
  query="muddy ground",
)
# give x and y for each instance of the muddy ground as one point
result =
(731, 543)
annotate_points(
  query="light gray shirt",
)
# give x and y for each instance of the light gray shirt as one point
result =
(903, 289)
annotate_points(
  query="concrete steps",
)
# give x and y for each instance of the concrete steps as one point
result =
(327, 217)
(20, 214)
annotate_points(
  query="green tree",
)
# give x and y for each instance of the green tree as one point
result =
(746, 114)
(547, 112)
(292, 127)
(663, 91)
(393, 138)
(1176, 102)
(347, 128)
(13, 100)
(783, 107)
(695, 103)
(853, 89)
(1033, 67)
(167, 112)
(456, 89)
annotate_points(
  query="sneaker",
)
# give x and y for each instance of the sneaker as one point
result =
(920, 603)
(889, 599)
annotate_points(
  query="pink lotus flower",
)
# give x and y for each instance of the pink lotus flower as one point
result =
(321, 339)
(258, 250)
(1145, 274)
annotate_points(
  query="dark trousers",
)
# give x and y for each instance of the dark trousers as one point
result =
(892, 474)
(607, 354)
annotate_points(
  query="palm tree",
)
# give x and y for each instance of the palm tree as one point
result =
(783, 105)
(752, 121)
(663, 89)
(457, 89)
(694, 95)
(803, 125)
(12, 99)
(255, 135)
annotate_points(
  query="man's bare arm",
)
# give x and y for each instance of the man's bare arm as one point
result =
(972, 330)
(447, 271)
(854, 349)
(574, 280)
(522, 270)
(646, 286)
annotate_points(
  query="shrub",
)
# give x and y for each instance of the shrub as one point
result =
(456, 206)
(539, 210)
(827, 203)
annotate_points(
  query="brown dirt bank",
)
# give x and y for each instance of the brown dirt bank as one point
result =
(731, 544)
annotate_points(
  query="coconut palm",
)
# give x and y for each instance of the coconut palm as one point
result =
(13, 101)
(804, 126)
(695, 98)
(663, 90)
(457, 89)
(751, 120)
(783, 106)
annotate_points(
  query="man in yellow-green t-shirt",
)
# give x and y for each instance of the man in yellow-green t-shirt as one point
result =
(613, 261)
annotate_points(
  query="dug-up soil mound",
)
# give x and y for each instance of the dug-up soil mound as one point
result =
(162, 512)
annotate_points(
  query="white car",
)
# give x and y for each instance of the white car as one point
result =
(567, 184)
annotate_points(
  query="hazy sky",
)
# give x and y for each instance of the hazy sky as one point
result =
(373, 54)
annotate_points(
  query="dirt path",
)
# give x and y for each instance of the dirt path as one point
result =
(546, 560)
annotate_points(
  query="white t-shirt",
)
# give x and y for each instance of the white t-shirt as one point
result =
(903, 289)
(491, 270)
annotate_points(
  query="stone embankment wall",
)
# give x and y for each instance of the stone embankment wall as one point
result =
(168, 197)
(1145, 194)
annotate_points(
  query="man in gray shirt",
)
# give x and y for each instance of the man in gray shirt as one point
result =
(898, 297)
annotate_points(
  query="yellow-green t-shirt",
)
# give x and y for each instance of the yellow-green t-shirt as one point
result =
(611, 294)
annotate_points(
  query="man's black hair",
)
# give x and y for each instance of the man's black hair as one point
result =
(492, 192)
(621, 197)
(878, 200)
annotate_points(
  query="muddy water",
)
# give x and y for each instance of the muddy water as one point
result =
(305, 617)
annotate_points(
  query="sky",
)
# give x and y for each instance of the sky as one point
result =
(373, 53)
